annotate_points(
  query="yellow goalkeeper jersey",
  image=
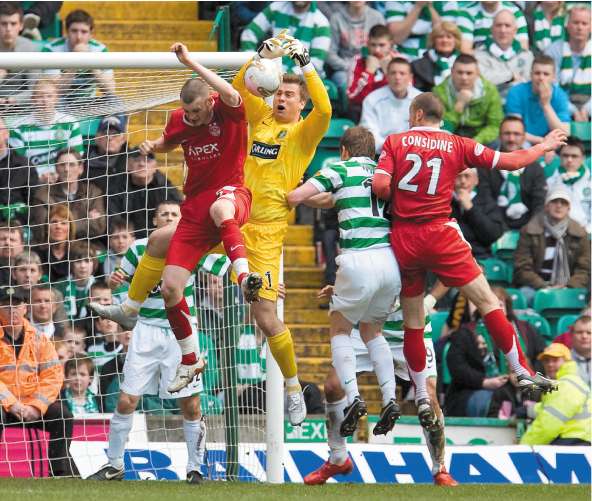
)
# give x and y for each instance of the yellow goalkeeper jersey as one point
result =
(279, 153)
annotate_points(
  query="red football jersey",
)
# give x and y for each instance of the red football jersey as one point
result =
(423, 163)
(214, 153)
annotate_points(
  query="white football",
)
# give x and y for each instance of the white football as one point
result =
(263, 78)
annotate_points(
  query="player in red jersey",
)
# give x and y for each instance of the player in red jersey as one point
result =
(416, 172)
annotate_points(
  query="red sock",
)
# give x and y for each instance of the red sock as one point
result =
(232, 238)
(178, 316)
(414, 349)
(504, 335)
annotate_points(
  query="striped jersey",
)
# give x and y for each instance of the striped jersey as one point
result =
(310, 27)
(416, 43)
(475, 22)
(40, 143)
(393, 330)
(545, 32)
(250, 357)
(362, 222)
(152, 311)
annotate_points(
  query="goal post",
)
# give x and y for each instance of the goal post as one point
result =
(146, 87)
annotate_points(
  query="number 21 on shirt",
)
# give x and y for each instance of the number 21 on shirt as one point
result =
(406, 182)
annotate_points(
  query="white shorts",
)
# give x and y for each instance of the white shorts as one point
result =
(364, 364)
(151, 362)
(366, 285)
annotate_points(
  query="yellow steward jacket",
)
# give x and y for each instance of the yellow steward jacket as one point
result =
(34, 378)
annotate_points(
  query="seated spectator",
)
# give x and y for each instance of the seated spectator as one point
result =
(54, 243)
(75, 335)
(46, 309)
(107, 155)
(39, 15)
(40, 136)
(77, 393)
(479, 217)
(553, 250)
(541, 103)
(137, 194)
(17, 179)
(85, 200)
(350, 27)
(15, 85)
(502, 60)
(121, 236)
(12, 245)
(473, 107)
(63, 349)
(411, 22)
(303, 20)
(476, 19)
(27, 270)
(386, 110)
(574, 176)
(581, 350)
(29, 398)
(520, 193)
(562, 416)
(549, 24)
(572, 57)
(435, 64)
(370, 67)
(83, 264)
(80, 84)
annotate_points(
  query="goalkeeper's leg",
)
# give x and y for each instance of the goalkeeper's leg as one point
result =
(194, 430)
(338, 463)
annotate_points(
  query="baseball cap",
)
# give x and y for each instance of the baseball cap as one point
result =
(555, 350)
(14, 295)
(558, 192)
(112, 124)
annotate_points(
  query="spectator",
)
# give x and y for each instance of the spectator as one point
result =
(350, 27)
(386, 110)
(121, 236)
(139, 192)
(63, 350)
(77, 394)
(520, 193)
(573, 61)
(16, 180)
(57, 234)
(476, 20)
(75, 335)
(40, 136)
(12, 245)
(105, 342)
(541, 103)
(83, 264)
(29, 397)
(562, 416)
(27, 270)
(110, 375)
(45, 311)
(411, 22)
(549, 24)
(303, 20)
(574, 176)
(553, 250)
(435, 64)
(39, 15)
(581, 350)
(107, 154)
(15, 86)
(80, 84)
(480, 219)
(84, 199)
(502, 60)
(473, 107)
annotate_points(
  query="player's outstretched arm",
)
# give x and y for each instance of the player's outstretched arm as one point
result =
(520, 158)
(302, 193)
(228, 93)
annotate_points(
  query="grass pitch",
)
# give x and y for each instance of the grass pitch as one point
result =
(80, 490)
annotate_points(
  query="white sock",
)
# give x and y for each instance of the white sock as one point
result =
(384, 368)
(337, 443)
(419, 381)
(513, 360)
(130, 306)
(195, 438)
(292, 382)
(119, 430)
(187, 345)
(240, 266)
(344, 361)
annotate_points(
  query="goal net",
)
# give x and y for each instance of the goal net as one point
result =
(76, 199)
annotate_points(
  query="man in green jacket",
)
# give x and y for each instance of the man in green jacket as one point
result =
(563, 416)
(473, 107)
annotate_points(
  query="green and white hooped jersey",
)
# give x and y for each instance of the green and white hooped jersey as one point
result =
(362, 223)
(152, 310)
(393, 330)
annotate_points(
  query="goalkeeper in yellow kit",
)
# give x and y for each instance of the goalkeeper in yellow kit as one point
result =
(281, 146)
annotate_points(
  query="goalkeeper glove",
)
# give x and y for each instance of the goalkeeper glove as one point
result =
(298, 52)
(273, 47)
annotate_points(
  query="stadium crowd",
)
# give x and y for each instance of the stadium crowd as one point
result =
(72, 206)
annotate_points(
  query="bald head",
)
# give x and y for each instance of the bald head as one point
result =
(504, 28)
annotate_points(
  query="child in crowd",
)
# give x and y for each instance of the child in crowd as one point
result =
(77, 394)
(75, 336)
(121, 236)
(84, 264)
(27, 269)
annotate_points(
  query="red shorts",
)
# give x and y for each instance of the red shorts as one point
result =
(196, 232)
(436, 246)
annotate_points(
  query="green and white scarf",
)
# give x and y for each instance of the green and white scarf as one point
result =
(505, 55)
(510, 197)
(442, 64)
(572, 80)
(571, 178)
(546, 33)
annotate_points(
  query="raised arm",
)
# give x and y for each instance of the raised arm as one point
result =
(520, 158)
